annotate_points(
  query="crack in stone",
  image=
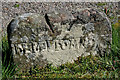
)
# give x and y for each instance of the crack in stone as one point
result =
(49, 24)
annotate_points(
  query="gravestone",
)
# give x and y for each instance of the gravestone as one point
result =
(58, 37)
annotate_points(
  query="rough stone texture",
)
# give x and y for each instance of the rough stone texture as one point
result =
(58, 37)
(10, 10)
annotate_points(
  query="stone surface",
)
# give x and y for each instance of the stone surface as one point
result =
(58, 37)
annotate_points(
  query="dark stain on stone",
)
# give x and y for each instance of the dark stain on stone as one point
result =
(32, 48)
(24, 51)
(81, 41)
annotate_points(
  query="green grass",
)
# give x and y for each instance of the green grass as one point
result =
(16, 5)
(85, 67)
(101, 4)
(8, 67)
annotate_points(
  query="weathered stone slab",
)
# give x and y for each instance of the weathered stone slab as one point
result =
(57, 37)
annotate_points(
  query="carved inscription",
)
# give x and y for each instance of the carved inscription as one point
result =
(56, 45)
